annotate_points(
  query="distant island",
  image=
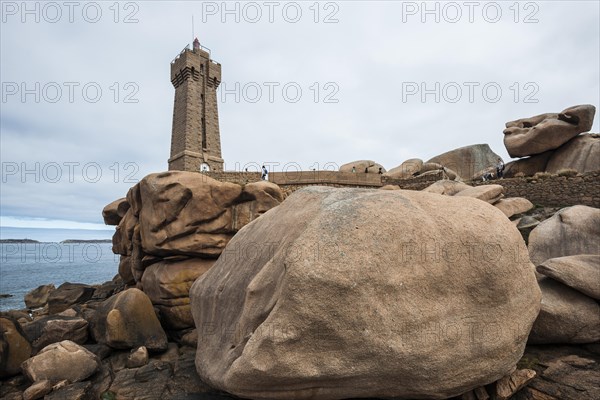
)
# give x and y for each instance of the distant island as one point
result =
(87, 241)
(68, 241)
(18, 241)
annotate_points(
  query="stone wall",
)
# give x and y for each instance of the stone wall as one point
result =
(331, 178)
(554, 190)
(241, 178)
(544, 190)
(418, 183)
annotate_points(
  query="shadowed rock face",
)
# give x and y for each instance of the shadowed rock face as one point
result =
(535, 135)
(581, 153)
(338, 301)
(14, 347)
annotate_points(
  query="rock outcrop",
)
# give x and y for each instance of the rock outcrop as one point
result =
(127, 320)
(582, 154)
(535, 135)
(168, 283)
(571, 231)
(488, 193)
(181, 221)
(468, 161)
(446, 187)
(566, 316)
(527, 166)
(363, 166)
(55, 328)
(14, 347)
(513, 206)
(407, 169)
(38, 297)
(68, 294)
(61, 361)
(308, 316)
(580, 272)
(114, 212)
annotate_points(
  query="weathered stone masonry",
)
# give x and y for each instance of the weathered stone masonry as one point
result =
(195, 139)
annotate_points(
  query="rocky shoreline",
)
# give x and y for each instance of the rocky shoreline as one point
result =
(225, 290)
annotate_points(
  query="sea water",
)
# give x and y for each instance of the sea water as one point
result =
(25, 266)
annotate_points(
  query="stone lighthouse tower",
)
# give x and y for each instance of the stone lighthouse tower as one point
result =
(195, 138)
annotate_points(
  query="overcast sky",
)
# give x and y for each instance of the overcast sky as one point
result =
(360, 66)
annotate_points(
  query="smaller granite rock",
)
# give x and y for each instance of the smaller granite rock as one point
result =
(580, 272)
(53, 329)
(76, 391)
(571, 231)
(362, 166)
(467, 161)
(446, 187)
(527, 166)
(123, 237)
(390, 187)
(38, 390)
(407, 169)
(430, 166)
(525, 225)
(38, 297)
(115, 211)
(127, 320)
(167, 284)
(527, 222)
(260, 197)
(566, 316)
(487, 193)
(137, 358)
(67, 295)
(513, 206)
(506, 387)
(582, 153)
(148, 382)
(125, 271)
(14, 347)
(61, 361)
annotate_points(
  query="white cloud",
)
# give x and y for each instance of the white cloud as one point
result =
(368, 55)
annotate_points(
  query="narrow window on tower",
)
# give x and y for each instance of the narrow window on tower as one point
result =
(203, 127)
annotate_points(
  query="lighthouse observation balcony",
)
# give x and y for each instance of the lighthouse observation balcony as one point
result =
(188, 48)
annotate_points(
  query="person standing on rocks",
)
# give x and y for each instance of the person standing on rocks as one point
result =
(264, 173)
(499, 169)
(353, 169)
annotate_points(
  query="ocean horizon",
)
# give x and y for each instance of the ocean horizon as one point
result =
(25, 266)
(54, 235)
